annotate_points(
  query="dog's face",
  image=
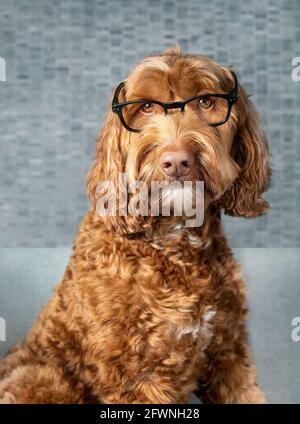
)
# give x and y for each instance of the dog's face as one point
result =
(231, 159)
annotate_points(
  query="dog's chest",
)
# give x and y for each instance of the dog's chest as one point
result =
(176, 309)
(194, 331)
(177, 320)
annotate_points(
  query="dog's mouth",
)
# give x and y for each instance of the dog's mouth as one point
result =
(148, 168)
(182, 182)
(198, 175)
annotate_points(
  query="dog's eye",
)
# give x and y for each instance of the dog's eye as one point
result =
(205, 103)
(148, 108)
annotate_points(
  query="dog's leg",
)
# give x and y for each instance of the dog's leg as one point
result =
(38, 384)
(15, 357)
(232, 379)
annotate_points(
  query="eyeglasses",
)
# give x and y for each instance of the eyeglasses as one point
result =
(212, 108)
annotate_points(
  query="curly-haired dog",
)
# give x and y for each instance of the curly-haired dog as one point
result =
(149, 309)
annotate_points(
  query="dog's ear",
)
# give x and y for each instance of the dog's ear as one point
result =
(107, 165)
(108, 161)
(250, 152)
(105, 175)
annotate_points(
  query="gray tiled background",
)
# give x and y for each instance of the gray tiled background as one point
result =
(65, 56)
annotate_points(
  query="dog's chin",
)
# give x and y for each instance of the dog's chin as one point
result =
(211, 192)
(179, 194)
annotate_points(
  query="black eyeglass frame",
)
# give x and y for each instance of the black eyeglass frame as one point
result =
(231, 98)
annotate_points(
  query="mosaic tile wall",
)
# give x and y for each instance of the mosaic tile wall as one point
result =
(63, 58)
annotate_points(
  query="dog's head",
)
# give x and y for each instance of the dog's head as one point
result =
(211, 137)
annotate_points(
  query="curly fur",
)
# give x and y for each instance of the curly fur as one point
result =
(148, 310)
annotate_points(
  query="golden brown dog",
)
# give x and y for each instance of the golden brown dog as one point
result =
(150, 310)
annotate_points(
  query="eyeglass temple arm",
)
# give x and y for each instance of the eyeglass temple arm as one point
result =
(117, 92)
(235, 89)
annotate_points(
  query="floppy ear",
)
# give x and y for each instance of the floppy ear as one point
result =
(108, 161)
(104, 174)
(106, 166)
(250, 152)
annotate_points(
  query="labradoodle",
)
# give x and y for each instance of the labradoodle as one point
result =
(151, 309)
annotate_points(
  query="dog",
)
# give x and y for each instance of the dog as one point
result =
(150, 310)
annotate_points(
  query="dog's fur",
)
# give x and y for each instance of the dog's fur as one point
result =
(148, 310)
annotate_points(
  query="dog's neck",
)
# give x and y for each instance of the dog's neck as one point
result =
(190, 248)
(172, 237)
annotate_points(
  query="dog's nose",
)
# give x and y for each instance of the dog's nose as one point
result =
(176, 163)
